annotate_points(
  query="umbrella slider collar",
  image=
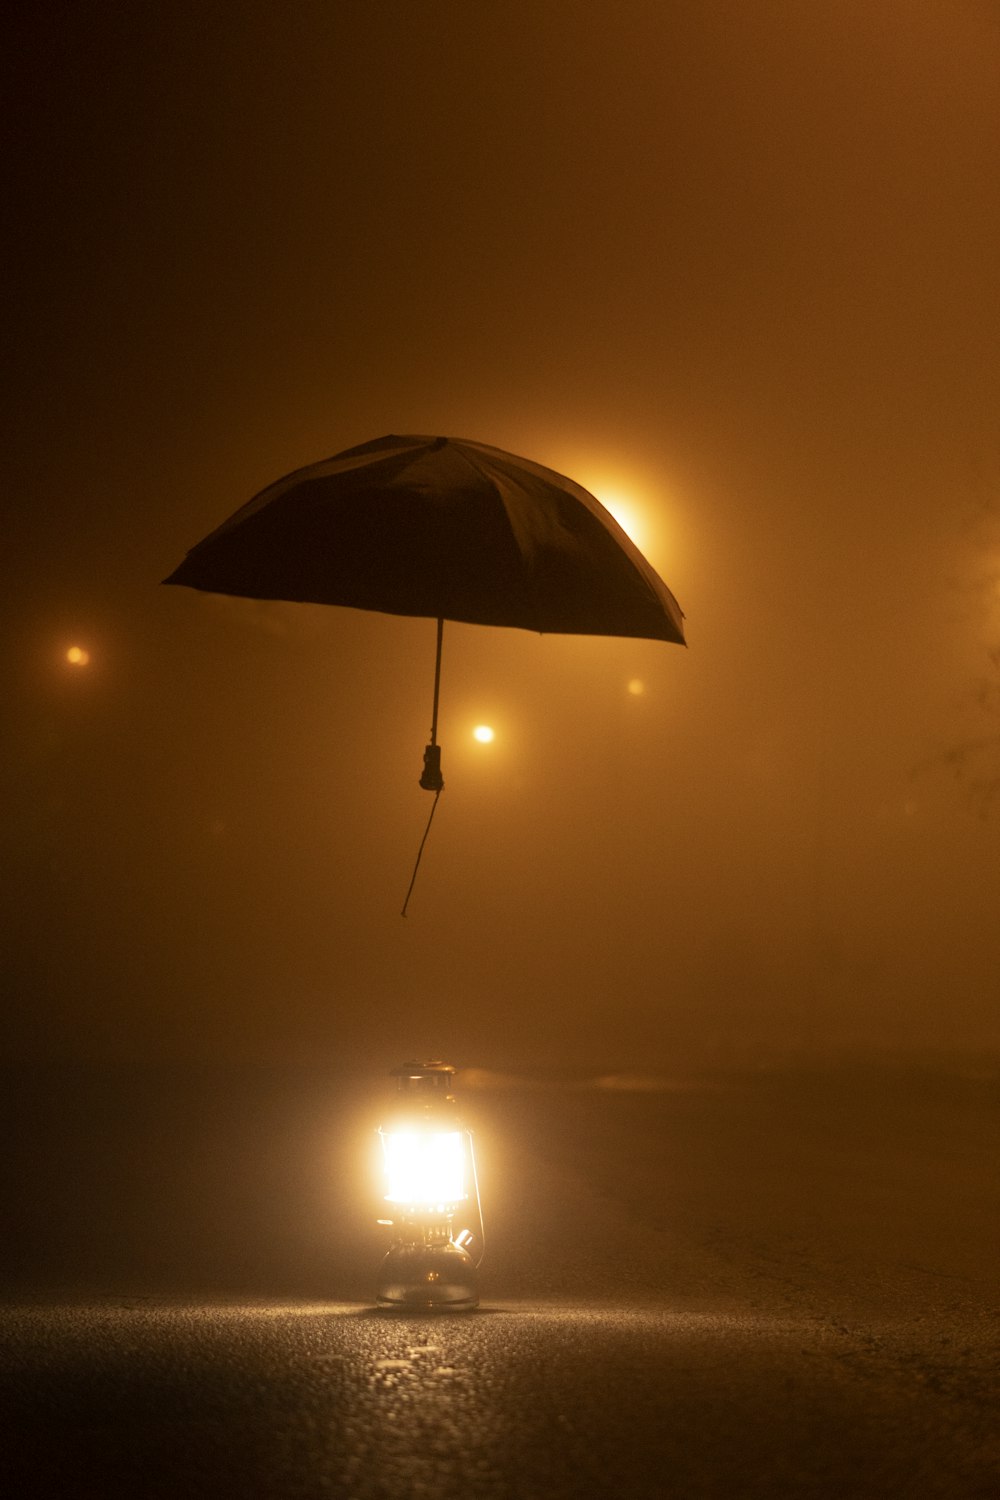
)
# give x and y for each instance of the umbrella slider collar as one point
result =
(431, 779)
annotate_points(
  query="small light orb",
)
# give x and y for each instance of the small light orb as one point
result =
(77, 656)
(637, 687)
(484, 734)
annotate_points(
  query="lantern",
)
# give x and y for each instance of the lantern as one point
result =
(430, 1187)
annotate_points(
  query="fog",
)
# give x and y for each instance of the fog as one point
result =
(731, 266)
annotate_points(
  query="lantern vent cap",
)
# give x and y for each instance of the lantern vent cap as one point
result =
(424, 1077)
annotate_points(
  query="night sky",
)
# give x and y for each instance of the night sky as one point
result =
(733, 267)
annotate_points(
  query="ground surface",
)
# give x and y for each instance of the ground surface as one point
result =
(779, 1284)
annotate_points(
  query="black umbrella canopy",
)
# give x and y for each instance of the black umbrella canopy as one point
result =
(444, 528)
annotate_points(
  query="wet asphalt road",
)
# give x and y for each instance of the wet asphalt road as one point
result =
(519, 1399)
(780, 1286)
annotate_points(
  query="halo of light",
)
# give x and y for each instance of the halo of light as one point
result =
(626, 513)
(636, 687)
(77, 656)
(484, 734)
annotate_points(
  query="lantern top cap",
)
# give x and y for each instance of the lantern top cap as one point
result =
(424, 1077)
(419, 1069)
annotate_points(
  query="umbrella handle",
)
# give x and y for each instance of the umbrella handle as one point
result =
(430, 777)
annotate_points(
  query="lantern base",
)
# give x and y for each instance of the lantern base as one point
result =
(422, 1276)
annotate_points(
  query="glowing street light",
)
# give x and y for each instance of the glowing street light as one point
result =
(429, 1178)
(77, 656)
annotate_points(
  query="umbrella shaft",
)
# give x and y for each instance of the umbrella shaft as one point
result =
(437, 682)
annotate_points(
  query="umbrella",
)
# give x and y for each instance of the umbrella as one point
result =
(443, 528)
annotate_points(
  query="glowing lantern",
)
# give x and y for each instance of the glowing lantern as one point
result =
(429, 1180)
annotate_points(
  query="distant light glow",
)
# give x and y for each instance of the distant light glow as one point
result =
(637, 687)
(626, 513)
(77, 656)
(484, 734)
(638, 502)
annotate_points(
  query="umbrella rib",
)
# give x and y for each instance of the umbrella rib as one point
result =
(498, 490)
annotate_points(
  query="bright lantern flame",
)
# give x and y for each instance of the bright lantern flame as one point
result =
(77, 656)
(424, 1168)
(484, 734)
